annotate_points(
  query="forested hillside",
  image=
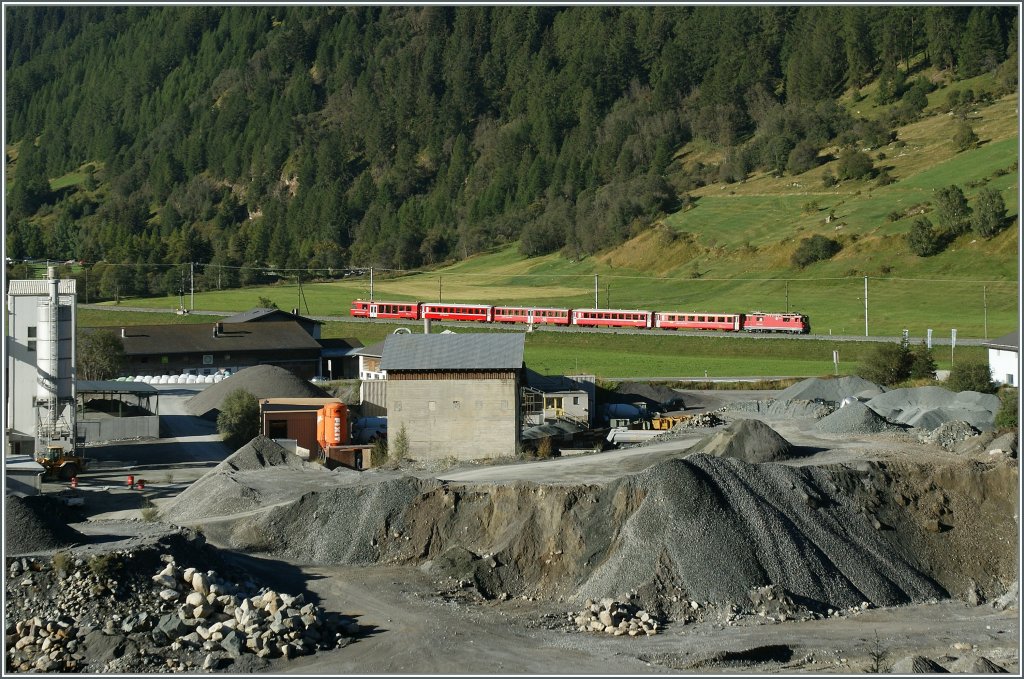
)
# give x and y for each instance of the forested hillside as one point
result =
(253, 139)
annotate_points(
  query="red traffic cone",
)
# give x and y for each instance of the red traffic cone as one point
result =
(131, 481)
(141, 484)
(74, 482)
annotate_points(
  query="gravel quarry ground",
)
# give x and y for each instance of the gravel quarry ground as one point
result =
(793, 538)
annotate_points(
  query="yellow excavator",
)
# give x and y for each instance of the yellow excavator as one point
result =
(60, 463)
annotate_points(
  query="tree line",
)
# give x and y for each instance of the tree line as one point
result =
(249, 138)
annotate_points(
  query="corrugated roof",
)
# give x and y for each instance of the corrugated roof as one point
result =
(1011, 341)
(66, 286)
(90, 386)
(263, 312)
(188, 338)
(480, 351)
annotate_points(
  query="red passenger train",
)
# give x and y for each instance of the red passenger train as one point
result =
(754, 321)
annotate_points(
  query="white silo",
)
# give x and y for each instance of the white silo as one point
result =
(55, 356)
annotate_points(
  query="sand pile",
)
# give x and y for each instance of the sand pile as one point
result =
(747, 440)
(226, 489)
(929, 407)
(833, 390)
(262, 381)
(37, 524)
(716, 528)
(855, 418)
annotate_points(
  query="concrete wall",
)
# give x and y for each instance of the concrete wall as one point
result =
(463, 418)
(1004, 366)
(119, 428)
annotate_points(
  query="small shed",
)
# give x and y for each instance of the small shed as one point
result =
(109, 410)
(454, 395)
(1004, 359)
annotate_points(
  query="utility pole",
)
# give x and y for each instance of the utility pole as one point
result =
(438, 288)
(984, 301)
(866, 307)
(596, 286)
(371, 283)
(787, 297)
(608, 295)
(192, 285)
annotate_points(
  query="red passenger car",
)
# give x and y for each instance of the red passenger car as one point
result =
(611, 318)
(534, 315)
(451, 311)
(364, 309)
(687, 320)
(759, 321)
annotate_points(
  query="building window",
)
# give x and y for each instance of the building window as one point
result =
(431, 406)
(207, 359)
(31, 338)
(277, 429)
(456, 405)
(575, 400)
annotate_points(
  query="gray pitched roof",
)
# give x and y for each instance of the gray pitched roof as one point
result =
(261, 313)
(1011, 341)
(186, 338)
(66, 286)
(479, 351)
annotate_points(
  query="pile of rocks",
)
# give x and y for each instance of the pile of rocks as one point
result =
(103, 614)
(949, 434)
(614, 617)
(699, 421)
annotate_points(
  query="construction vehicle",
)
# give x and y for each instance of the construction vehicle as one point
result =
(59, 463)
(334, 440)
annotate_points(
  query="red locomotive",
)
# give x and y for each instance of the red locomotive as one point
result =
(755, 321)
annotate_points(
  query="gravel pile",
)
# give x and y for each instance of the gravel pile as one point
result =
(226, 489)
(949, 434)
(854, 418)
(929, 407)
(748, 440)
(262, 381)
(716, 528)
(653, 395)
(781, 408)
(37, 524)
(829, 389)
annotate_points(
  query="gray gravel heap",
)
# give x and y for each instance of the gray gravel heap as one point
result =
(949, 434)
(929, 407)
(978, 664)
(918, 664)
(720, 527)
(224, 489)
(654, 395)
(854, 418)
(833, 390)
(262, 381)
(36, 524)
(747, 440)
(781, 408)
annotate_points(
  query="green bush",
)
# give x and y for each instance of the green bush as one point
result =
(401, 447)
(888, 363)
(971, 376)
(239, 418)
(854, 164)
(989, 215)
(922, 362)
(923, 239)
(964, 137)
(815, 249)
(952, 210)
(1006, 418)
(379, 453)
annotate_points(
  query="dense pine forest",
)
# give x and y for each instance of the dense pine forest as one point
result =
(249, 140)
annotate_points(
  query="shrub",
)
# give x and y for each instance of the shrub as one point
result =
(62, 562)
(854, 164)
(971, 376)
(952, 210)
(149, 511)
(1006, 418)
(401, 447)
(544, 448)
(239, 418)
(802, 158)
(922, 362)
(964, 137)
(815, 249)
(103, 566)
(924, 240)
(989, 216)
(828, 180)
(888, 363)
(884, 179)
(379, 453)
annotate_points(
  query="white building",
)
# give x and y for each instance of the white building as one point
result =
(40, 348)
(1004, 359)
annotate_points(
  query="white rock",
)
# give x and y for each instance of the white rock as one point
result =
(201, 583)
(169, 594)
(195, 599)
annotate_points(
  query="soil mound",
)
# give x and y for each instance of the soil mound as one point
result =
(929, 407)
(262, 381)
(37, 524)
(854, 418)
(747, 440)
(834, 390)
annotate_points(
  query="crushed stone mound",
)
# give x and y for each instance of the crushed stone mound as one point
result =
(223, 491)
(747, 440)
(781, 408)
(854, 418)
(262, 381)
(654, 395)
(716, 528)
(918, 664)
(832, 390)
(976, 665)
(949, 435)
(929, 407)
(37, 524)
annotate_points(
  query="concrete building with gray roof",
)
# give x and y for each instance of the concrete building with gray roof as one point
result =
(454, 395)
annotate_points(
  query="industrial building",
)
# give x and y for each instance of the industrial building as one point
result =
(40, 349)
(1004, 359)
(454, 395)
